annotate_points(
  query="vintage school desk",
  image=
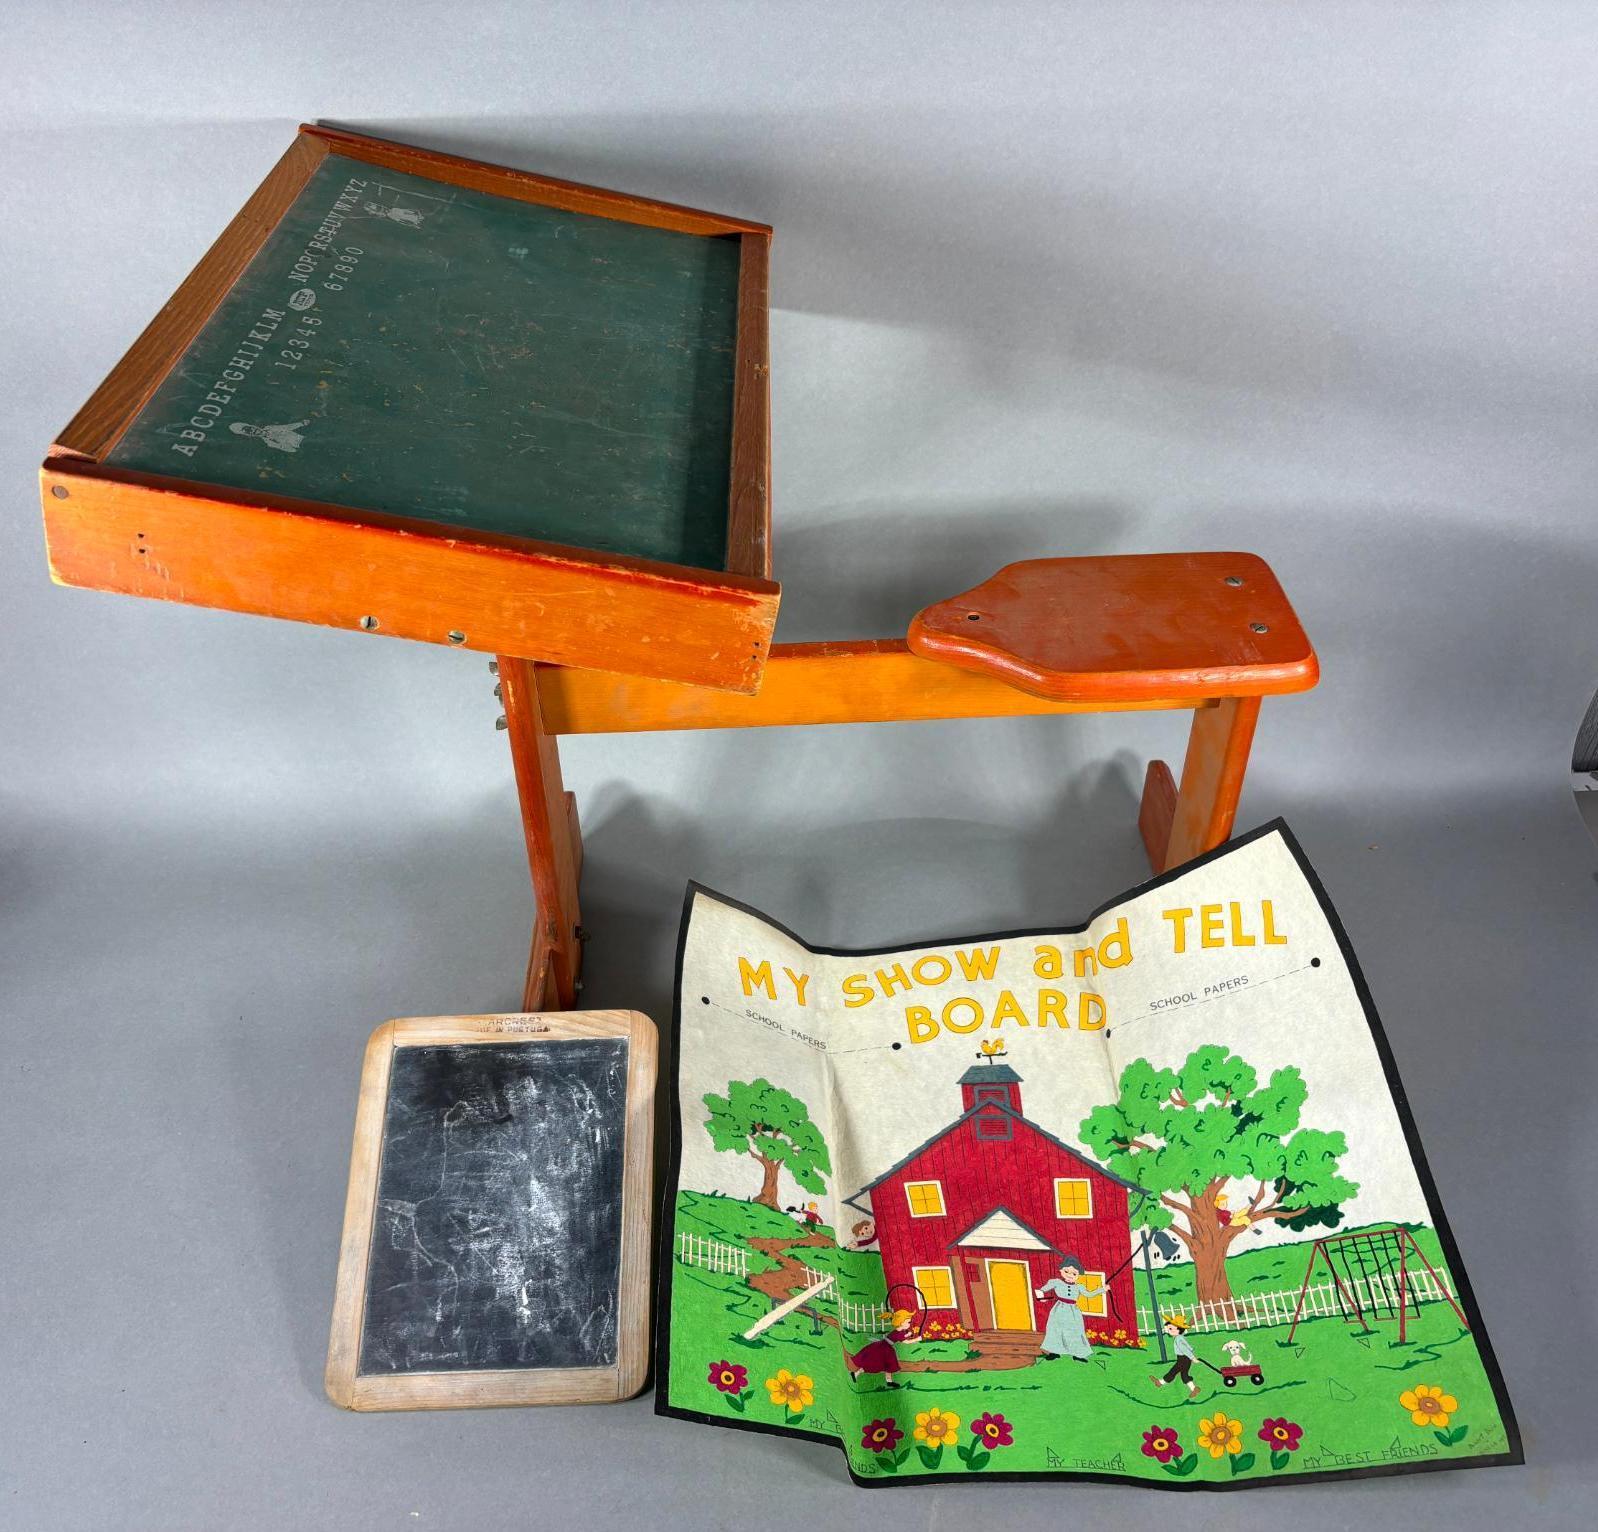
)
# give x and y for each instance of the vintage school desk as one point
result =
(424, 397)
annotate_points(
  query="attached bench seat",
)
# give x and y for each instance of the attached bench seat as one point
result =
(1125, 627)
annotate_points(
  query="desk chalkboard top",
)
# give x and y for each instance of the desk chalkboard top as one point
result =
(425, 397)
(496, 1236)
(402, 345)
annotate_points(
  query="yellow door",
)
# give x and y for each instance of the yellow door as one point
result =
(1011, 1285)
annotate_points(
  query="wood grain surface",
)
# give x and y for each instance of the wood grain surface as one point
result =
(549, 191)
(749, 504)
(322, 564)
(853, 681)
(1192, 625)
(554, 844)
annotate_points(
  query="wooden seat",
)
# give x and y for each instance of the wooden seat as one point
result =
(1127, 628)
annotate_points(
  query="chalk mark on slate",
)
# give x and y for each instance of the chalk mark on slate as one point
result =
(496, 1240)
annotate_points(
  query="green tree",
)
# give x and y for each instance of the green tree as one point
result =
(1183, 1134)
(756, 1118)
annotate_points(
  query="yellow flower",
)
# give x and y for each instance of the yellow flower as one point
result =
(794, 1391)
(1428, 1405)
(935, 1427)
(1221, 1435)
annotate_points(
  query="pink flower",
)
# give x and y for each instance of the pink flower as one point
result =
(881, 1436)
(729, 1377)
(993, 1431)
(1281, 1435)
(1160, 1443)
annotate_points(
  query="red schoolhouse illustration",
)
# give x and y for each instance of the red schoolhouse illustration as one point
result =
(980, 1216)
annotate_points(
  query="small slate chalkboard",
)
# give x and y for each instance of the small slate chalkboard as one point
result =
(496, 1232)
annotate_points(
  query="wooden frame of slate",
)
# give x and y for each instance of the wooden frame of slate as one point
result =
(422, 396)
(441, 1098)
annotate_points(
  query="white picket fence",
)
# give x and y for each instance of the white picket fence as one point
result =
(863, 1318)
(829, 1280)
(857, 1318)
(712, 1254)
(1251, 1311)
(1248, 1311)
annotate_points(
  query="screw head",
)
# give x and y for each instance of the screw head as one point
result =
(59, 491)
(1258, 627)
(369, 624)
(1234, 579)
(455, 636)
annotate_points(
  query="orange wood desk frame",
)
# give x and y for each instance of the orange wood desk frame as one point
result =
(181, 540)
(660, 646)
(886, 680)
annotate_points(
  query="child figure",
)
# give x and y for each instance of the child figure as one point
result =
(879, 1355)
(1176, 1327)
(411, 217)
(1226, 1217)
(285, 438)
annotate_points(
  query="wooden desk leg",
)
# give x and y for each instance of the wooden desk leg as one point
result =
(554, 844)
(1180, 823)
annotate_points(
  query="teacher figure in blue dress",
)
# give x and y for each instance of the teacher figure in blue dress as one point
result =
(1066, 1335)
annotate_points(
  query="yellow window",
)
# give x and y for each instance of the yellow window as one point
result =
(1095, 1304)
(936, 1284)
(1073, 1199)
(926, 1198)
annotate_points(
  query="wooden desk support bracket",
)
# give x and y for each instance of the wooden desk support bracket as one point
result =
(1180, 823)
(1187, 636)
(554, 842)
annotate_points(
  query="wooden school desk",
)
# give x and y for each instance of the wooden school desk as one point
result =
(420, 396)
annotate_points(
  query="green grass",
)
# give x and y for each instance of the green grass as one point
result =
(1341, 1386)
(859, 1272)
(734, 1223)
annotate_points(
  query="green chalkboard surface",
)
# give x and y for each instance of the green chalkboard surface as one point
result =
(416, 348)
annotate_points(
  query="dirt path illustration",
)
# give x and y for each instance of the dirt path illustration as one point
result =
(789, 1276)
(1002, 1350)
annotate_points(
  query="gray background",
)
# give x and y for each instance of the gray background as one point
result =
(1313, 280)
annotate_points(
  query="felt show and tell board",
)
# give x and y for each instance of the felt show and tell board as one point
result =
(1139, 1200)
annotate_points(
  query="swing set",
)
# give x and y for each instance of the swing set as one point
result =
(1379, 1264)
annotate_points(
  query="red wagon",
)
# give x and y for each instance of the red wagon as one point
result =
(1230, 1375)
